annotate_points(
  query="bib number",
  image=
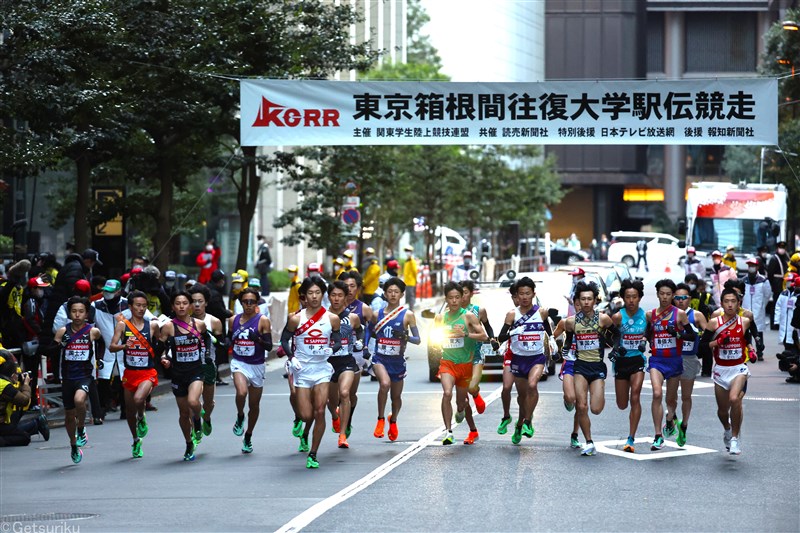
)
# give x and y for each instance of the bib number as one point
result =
(389, 347)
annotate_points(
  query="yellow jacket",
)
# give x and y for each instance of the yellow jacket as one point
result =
(371, 277)
(730, 260)
(294, 295)
(410, 270)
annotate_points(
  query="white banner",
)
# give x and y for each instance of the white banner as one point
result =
(299, 113)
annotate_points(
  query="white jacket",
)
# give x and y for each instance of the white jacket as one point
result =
(784, 309)
(756, 298)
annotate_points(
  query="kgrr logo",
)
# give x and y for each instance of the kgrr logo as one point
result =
(272, 114)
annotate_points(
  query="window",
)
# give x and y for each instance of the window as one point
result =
(721, 41)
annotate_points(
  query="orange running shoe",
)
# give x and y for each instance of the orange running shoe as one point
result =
(471, 438)
(480, 405)
(379, 428)
(343, 441)
(337, 424)
(392, 429)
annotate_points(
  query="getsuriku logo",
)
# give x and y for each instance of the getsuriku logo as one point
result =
(272, 114)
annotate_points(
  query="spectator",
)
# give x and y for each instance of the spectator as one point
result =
(11, 294)
(33, 311)
(730, 258)
(574, 243)
(216, 303)
(372, 273)
(604, 244)
(238, 284)
(293, 304)
(641, 254)
(148, 282)
(263, 264)
(757, 293)
(776, 270)
(171, 282)
(693, 265)
(410, 271)
(91, 258)
(208, 261)
(15, 398)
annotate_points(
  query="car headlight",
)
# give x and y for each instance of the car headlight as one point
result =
(436, 336)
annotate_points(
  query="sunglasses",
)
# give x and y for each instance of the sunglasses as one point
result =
(249, 302)
(680, 298)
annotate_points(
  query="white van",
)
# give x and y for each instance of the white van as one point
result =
(662, 248)
(449, 242)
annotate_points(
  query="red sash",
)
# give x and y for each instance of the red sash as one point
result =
(310, 322)
(388, 318)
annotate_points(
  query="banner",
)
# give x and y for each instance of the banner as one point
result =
(298, 113)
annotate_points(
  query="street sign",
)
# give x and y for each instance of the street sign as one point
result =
(351, 216)
(113, 227)
(351, 202)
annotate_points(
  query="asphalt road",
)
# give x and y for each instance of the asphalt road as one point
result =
(415, 484)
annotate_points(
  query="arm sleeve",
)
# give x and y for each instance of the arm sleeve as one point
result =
(689, 333)
(414, 337)
(208, 340)
(504, 333)
(488, 328)
(547, 328)
(707, 337)
(753, 329)
(616, 335)
(567, 344)
(99, 348)
(336, 340)
(286, 342)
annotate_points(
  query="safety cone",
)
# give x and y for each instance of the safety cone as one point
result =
(667, 269)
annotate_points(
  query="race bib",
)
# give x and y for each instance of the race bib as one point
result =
(76, 354)
(139, 361)
(187, 354)
(244, 348)
(452, 343)
(730, 354)
(631, 342)
(486, 349)
(389, 346)
(587, 341)
(665, 343)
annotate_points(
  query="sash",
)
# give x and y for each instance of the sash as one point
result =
(139, 337)
(246, 325)
(724, 326)
(524, 318)
(86, 327)
(660, 317)
(310, 322)
(388, 318)
(190, 329)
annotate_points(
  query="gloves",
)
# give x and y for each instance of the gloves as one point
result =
(671, 330)
(209, 360)
(100, 364)
(612, 355)
(642, 346)
(495, 344)
(621, 350)
(358, 345)
(366, 355)
(295, 364)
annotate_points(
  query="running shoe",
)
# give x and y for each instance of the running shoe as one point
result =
(80, 438)
(569, 406)
(207, 427)
(629, 447)
(238, 426)
(669, 428)
(516, 438)
(680, 440)
(43, 426)
(297, 428)
(336, 424)
(502, 429)
(471, 438)
(735, 449)
(348, 430)
(141, 427)
(188, 455)
(312, 462)
(378, 433)
(392, 430)
(197, 436)
(303, 444)
(136, 449)
(527, 428)
(589, 449)
(448, 439)
(658, 443)
(726, 438)
(574, 443)
(343, 441)
(460, 416)
(480, 405)
(247, 445)
(77, 454)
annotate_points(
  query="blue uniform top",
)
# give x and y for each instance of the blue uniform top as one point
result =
(691, 347)
(390, 340)
(633, 331)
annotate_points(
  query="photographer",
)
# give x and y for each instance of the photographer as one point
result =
(789, 360)
(15, 398)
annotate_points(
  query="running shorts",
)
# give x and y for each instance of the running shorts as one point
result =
(625, 367)
(210, 373)
(691, 366)
(360, 361)
(133, 378)
(590, 371)
(70, 386)
(521, 365)
(669, 367)
(568, 367)
(395, 366)
(724, 375)
(180, 384)
(462, 372)
(254, 374)
(342, 364)
(312, 374)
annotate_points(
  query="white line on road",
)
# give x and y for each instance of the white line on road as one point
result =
(318, 509)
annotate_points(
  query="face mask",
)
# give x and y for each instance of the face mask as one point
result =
(717, 261)
(108, 295)
(467, 263)
(690, 256)
(780, 251)
(752, 270)
(38, 293)
(764, 255)
(692, 286)
(236, 286)
(170, 284)
(209, 248)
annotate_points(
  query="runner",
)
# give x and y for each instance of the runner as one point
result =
(138, 337)
(589, 369)
(298, 430)
(525, 327)
(463, 329)
(343, 362)
(251, 338)
(201, 295)
(728, 336)
(691, 357)
(316, 337)
(365, 314)
(567, 374)
(667, 327)
(468, 287)
(508, 377)
(188, 341)
(389, 331)
(628, 359)
(80, 343)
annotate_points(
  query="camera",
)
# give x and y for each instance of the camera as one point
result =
(786, 359)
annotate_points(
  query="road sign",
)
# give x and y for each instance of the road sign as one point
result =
(351, 202)
(351, 216)
(113, 227)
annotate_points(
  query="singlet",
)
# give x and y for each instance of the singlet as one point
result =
(633, 330)
(357, 308)
(76, 357)
(691, 347)
(187, 351)
(348, 334)
(663, 344)
(385, 343)
(474, 309)
(313, 345)
(456, 347)
(137, 356)
(587, 339)
(733, 352)
(245, 336)
(527, 338)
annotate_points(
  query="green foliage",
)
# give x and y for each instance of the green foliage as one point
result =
(278, 280)
(6, 244)
(420, 49)
(741, 163)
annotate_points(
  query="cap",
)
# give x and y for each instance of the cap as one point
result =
(690, 250)
(467, 253)
(348, 254)
(578, 272)
(730, 247)
(37, 282)
(217, 275)
(125, 277)
(255, 282)
(190, 283)
(237, 278)
(717, 253)
(82, 286)
(112, 285)
(94, 255)
(781, 244)
(370, 251)
(292, 268)
(313, 267)
(338, 261)
(137, 270)
(752, 261)
(169, 274)
(392, 264)
(409, 248)
(790, 277)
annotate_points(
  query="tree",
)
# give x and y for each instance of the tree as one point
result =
(741, 163)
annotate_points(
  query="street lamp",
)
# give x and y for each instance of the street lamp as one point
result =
(764, 149)
(790, 25)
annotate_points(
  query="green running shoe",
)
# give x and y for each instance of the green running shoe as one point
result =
(238, 426)
(77, 454)
(188, 455)
(669, 428)
(460, 416)
(680, 440)
(658, 443)
(574, 442)
(80, 438)
(303, 444)
(141, 427)
(516, 438)
(502, 429)
(527, 428)
(197, 437)
(448, 439)
(247, 445)
(297, 428)
(136, 449)
(311, 461)
(348, 431)
(569, 406)
(207, 427)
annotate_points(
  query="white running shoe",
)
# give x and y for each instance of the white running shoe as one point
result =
(726, 438)
(735, 449)
(588, 449)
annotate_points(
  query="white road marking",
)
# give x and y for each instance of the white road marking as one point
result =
(606, 447)
(319, 508)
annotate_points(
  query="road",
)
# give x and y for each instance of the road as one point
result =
(415, 484)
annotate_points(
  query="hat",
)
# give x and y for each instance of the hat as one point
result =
(370, 251)
(169, 274)
(37, 282)
(136, 270)
(237, 278)
(578, 271)
(255, 282)
(467, 253)
(338, 261)
(409, 248)
(690, 250)
(730, 247)
(217, 275)
(83, 287)
(92, 254)
(392, 264)
(752, 261)
(292, 268)
(348, 254)
(796, 283)
(112, 285)
(313, 267)
(125, 277)
(716, 253)
(190, 283)
(781, 244)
